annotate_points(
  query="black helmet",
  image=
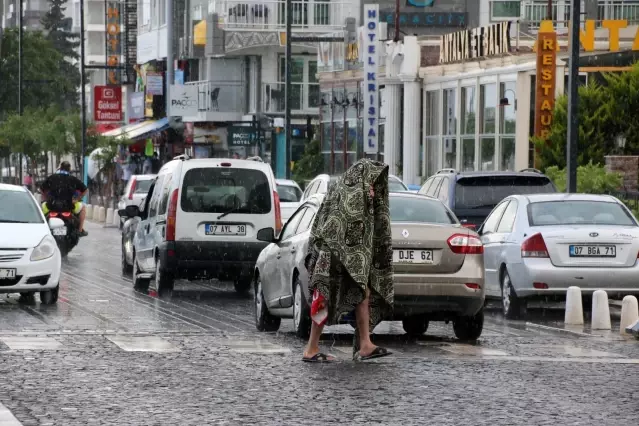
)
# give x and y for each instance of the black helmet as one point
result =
(65, 166)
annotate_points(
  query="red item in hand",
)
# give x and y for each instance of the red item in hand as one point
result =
(319, 311)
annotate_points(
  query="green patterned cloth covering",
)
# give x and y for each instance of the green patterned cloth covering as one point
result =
(350, 248)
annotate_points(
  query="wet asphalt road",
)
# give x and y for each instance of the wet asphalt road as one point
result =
(108, 355)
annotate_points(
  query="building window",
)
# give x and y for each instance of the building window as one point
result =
(488, 108)
(501, 10)
(507, 126)
(432, 132)
(468, 130)
(162, 12)
(449, 129)
(304, 87)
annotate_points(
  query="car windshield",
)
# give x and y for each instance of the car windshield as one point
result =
(289, 193)
(474, 192)
(417, 209)
(18, 207)
(578, 213)
(142, 186)
(396, 185)
(218, 190)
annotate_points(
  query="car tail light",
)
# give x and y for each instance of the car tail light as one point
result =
(473, 286)
(540, 286)
(278, 213)
(225, 164)
(170, 216)
(53, 214)
(66, 214)
(469, 226)
(134, 183)
(534, 246)
(465, 244)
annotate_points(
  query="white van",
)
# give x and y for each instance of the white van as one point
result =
(200, 221)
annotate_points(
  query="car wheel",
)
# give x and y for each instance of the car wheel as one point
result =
(139, 284)
(301, 312)
(264, 321)
(164, 281)
(50, 297)
(243, 285)
(469, 328)
(126, 268)
(512, 306)
(415, 325)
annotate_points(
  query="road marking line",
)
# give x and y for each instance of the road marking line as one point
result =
(472, 350)
(7, 418)
(556, 330)
(253, 347)
(573, 351)
(31, 343)
(142, 343)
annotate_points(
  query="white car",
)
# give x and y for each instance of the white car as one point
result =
(30, 261)
(320, 184)
(536, 246)
(290, 197)
(135, 192)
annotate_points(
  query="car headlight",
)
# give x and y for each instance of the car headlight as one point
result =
(44, 250)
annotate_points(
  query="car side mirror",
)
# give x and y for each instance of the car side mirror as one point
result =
(266, 234)
(129, 212)
(55, 223)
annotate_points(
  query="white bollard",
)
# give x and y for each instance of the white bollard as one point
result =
(102, 214)
(96, 213)
(629, 313)
(109, 216)
(116, 218)
(600, 311)
(89, 208)
(574, 307)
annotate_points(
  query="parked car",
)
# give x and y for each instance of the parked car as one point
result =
(290, 196)
(135, 192)
(200, 220)
(438, 269)
(320, 184)
(30, 261)
(472, 195)
(536, 246)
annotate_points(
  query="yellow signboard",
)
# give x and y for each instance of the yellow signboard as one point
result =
(587, 35)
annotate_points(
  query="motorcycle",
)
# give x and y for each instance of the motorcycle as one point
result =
(66, 236)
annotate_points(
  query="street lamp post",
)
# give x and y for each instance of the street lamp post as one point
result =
(83, 97)
(573, 95)
(20, 54)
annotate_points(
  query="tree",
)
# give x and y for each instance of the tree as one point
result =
(46, 80)
(311, 164)
(58, 32)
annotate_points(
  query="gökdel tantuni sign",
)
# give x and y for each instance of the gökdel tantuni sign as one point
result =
(491, 40)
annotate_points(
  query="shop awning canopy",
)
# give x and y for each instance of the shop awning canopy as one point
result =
(607, 61)
(139, 130)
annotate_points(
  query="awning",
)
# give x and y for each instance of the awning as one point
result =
(139, 130)
(199, 33)
(607, 61)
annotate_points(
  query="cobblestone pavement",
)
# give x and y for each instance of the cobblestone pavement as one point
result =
(108, 355)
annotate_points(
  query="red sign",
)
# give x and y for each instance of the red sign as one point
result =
(107, 103)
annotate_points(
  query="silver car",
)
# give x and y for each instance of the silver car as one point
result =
(438, 269)
(135, 192)
(536, 246)
(290, 195)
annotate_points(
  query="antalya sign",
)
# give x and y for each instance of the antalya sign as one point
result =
(475, 43)
(371, 84)
(113, 40)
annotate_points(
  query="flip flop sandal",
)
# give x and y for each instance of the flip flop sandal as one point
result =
(319, 358)
(378, 352)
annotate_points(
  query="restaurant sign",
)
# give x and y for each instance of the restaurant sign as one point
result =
(491, 40)
(545, 82)
(113, 42)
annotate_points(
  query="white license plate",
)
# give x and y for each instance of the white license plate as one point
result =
(225, 229)
(7, 274)
(59, 231)
(413, 256)
(593, 251)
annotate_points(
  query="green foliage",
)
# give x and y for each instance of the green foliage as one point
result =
(591, 179)
(310, 165)
(46, 77)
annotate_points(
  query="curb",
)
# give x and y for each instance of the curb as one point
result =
(556, 330)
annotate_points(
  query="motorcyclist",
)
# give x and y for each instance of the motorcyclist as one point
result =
(62, 186)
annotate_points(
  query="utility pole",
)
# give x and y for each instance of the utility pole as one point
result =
(573, 97)
(169, 54)
(83, 97)
(287, 90)
(396, 39)
(20, 76)
(549, 12)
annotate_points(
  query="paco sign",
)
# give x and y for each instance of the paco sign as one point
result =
(107, 103)
(184, 100)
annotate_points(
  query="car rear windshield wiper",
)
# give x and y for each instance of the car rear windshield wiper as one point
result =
(228, 212)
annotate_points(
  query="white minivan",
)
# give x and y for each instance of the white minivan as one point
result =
(200, 221)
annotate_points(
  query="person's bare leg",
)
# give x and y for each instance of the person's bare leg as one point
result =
(312, 347)
(83, 215)
(362, 317)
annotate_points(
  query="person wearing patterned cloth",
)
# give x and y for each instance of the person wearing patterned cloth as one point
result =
(350, 258)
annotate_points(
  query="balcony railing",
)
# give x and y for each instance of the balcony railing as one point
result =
(305, 97)
(220, 96)
(535, 11)
(271, 14)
